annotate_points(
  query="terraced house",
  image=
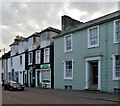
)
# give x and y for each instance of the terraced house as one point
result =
(30, 60)
(40, 67)
(86, 55)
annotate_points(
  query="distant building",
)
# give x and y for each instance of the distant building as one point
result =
(31, 60)
(4, 64)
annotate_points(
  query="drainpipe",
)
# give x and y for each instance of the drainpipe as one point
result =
(106, 58)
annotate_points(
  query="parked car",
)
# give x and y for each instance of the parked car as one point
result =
(12, 85)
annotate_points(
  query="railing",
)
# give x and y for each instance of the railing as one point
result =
(89, 80)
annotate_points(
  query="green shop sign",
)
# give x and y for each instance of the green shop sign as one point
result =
(45, 66)
(31, 69)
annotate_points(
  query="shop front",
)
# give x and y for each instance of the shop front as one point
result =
(43, 76)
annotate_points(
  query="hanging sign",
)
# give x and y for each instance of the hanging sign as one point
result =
(44, 66)
(31, 69)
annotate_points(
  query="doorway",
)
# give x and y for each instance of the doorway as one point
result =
(93, 72)
(94, 66)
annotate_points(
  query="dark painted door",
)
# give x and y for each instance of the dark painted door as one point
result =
(95, 74)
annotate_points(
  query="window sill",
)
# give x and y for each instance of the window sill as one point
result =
(37, 63)
(116, 42)
(115, 79)
(93, 46)
(30, 64)
(67, 51)
(47, 62)
(68, 78)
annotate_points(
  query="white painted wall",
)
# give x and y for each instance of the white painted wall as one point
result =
(14, 49)
(17, 67)
(23, 46)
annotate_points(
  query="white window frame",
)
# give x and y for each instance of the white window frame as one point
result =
(29, 59)
(45, 55)
(114, 64)
(65, 48)
(38, 62)
(68, 78)
(89, 46)
(114, 37)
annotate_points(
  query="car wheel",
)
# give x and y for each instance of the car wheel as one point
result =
(11, 88)
(22, 89)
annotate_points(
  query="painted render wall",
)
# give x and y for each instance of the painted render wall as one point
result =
(17, 67)
(79, 52)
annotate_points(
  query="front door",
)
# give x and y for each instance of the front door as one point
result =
(38, 78)
(95, 74)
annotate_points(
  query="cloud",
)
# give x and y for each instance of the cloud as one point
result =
(25, 18)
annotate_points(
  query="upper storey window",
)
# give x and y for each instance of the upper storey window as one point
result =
(93, 37)
(68, 43)
(116, 31)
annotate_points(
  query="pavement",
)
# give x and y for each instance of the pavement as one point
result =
(94, 95)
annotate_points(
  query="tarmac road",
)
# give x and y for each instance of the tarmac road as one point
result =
(32, 96)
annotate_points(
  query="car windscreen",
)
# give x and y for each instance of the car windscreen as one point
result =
(13, 82)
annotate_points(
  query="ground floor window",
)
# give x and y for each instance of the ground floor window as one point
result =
(68, 69)
(45, 76)
(16, 76)
(2, 76)
(116, 67)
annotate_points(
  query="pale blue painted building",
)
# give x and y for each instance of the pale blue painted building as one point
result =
(87, 55)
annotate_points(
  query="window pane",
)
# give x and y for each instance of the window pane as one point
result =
(93, 36)
(47, 55)
(68, 42)
(117, 66)
(118, 30)
(45, 75)
(68, 69)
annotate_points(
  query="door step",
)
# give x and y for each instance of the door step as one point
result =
(92, 88)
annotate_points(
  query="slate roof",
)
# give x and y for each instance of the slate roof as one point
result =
(90, 23)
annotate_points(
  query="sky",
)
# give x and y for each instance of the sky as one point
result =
(25, 18)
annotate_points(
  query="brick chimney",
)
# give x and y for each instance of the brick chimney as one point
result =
(17, 38)
(68, 22)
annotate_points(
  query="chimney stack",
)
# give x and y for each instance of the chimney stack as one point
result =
(68, 22)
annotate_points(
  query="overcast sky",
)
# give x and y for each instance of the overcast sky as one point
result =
(25, 18)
